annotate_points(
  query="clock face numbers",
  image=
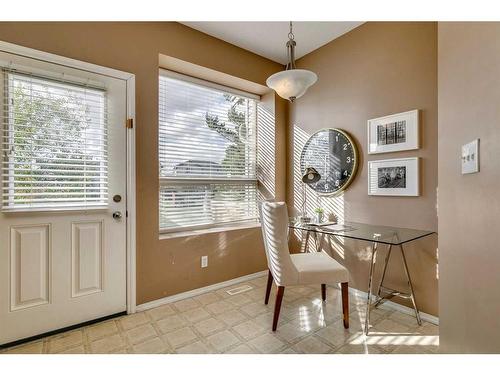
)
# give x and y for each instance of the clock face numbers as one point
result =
(333, 154)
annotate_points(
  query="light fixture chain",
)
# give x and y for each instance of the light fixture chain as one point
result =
(290, 34)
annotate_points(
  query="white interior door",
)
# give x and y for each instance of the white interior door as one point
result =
(63, 176)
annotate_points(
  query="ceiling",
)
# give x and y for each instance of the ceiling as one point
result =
(268, 39)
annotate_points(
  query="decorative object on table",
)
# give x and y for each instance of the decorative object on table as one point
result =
(310, 176)
(291, 83)
(323, 224)
(398, 132)
(396, 177)
(319, 214)
(332, 218)
(470, 157)
(333, 153)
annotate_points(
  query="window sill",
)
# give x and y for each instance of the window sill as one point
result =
(199, 232)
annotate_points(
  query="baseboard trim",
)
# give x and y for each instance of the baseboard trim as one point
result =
(390, 305)
(197, 292)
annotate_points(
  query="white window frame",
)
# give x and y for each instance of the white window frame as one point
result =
(169, 181)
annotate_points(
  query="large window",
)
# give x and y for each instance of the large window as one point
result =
(207, 154)
(54, 143)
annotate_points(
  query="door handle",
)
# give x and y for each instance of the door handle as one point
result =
(117, 215)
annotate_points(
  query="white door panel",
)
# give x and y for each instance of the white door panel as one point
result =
(29, 266)
(87, 258)
(63, 266)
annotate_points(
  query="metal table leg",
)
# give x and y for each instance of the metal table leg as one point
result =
(387, 257)
(390, 293)
(306, 241)
(318, 242)
(370, 280)
(412, 293)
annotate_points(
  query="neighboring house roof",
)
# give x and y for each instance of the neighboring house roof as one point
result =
(195, 166)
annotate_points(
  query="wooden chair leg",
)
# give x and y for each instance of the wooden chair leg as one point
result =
(269, 284)
(345, 304)
(323, 292)
(277, 306)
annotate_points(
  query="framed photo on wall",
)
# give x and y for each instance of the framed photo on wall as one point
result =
(394, 177)
(397, 132)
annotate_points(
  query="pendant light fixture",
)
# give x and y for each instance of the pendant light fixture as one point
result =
(291, 83)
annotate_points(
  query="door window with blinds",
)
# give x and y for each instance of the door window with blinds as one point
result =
(207, 154)
(54, 144)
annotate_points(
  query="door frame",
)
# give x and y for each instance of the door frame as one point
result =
(129, 78)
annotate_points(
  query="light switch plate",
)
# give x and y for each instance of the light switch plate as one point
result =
(470, 157)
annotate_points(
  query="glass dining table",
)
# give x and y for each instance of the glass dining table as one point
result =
(392, 237)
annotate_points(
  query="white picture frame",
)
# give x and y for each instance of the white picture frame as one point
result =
(398, 132)
(394, 177)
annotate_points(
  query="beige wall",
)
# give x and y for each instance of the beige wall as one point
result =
(164, 267)
(377, 69)
(469, 205)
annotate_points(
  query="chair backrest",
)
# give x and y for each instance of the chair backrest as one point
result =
(274, 223)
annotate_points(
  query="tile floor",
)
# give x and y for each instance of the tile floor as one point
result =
(216, 322)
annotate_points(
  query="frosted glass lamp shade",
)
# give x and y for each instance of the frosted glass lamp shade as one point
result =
(291, 84)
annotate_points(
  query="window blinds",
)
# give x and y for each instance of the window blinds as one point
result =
(207, 155)
(54, 143)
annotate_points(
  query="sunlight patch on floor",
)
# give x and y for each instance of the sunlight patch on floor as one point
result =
(376, 338)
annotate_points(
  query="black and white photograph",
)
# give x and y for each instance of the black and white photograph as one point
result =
(397, 132)
(394, 177)
(391, 133)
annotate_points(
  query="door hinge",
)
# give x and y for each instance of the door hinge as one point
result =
(129, 124)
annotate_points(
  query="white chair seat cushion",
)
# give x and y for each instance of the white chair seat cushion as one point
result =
(319, 268)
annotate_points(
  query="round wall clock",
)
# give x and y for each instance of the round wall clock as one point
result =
(333, 153)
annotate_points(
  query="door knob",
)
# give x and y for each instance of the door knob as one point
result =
(117, 215)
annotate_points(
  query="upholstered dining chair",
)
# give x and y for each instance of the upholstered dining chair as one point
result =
(287, 269)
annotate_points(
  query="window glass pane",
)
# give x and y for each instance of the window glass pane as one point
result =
(54, 144)
(205, 204)
(206, 134)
